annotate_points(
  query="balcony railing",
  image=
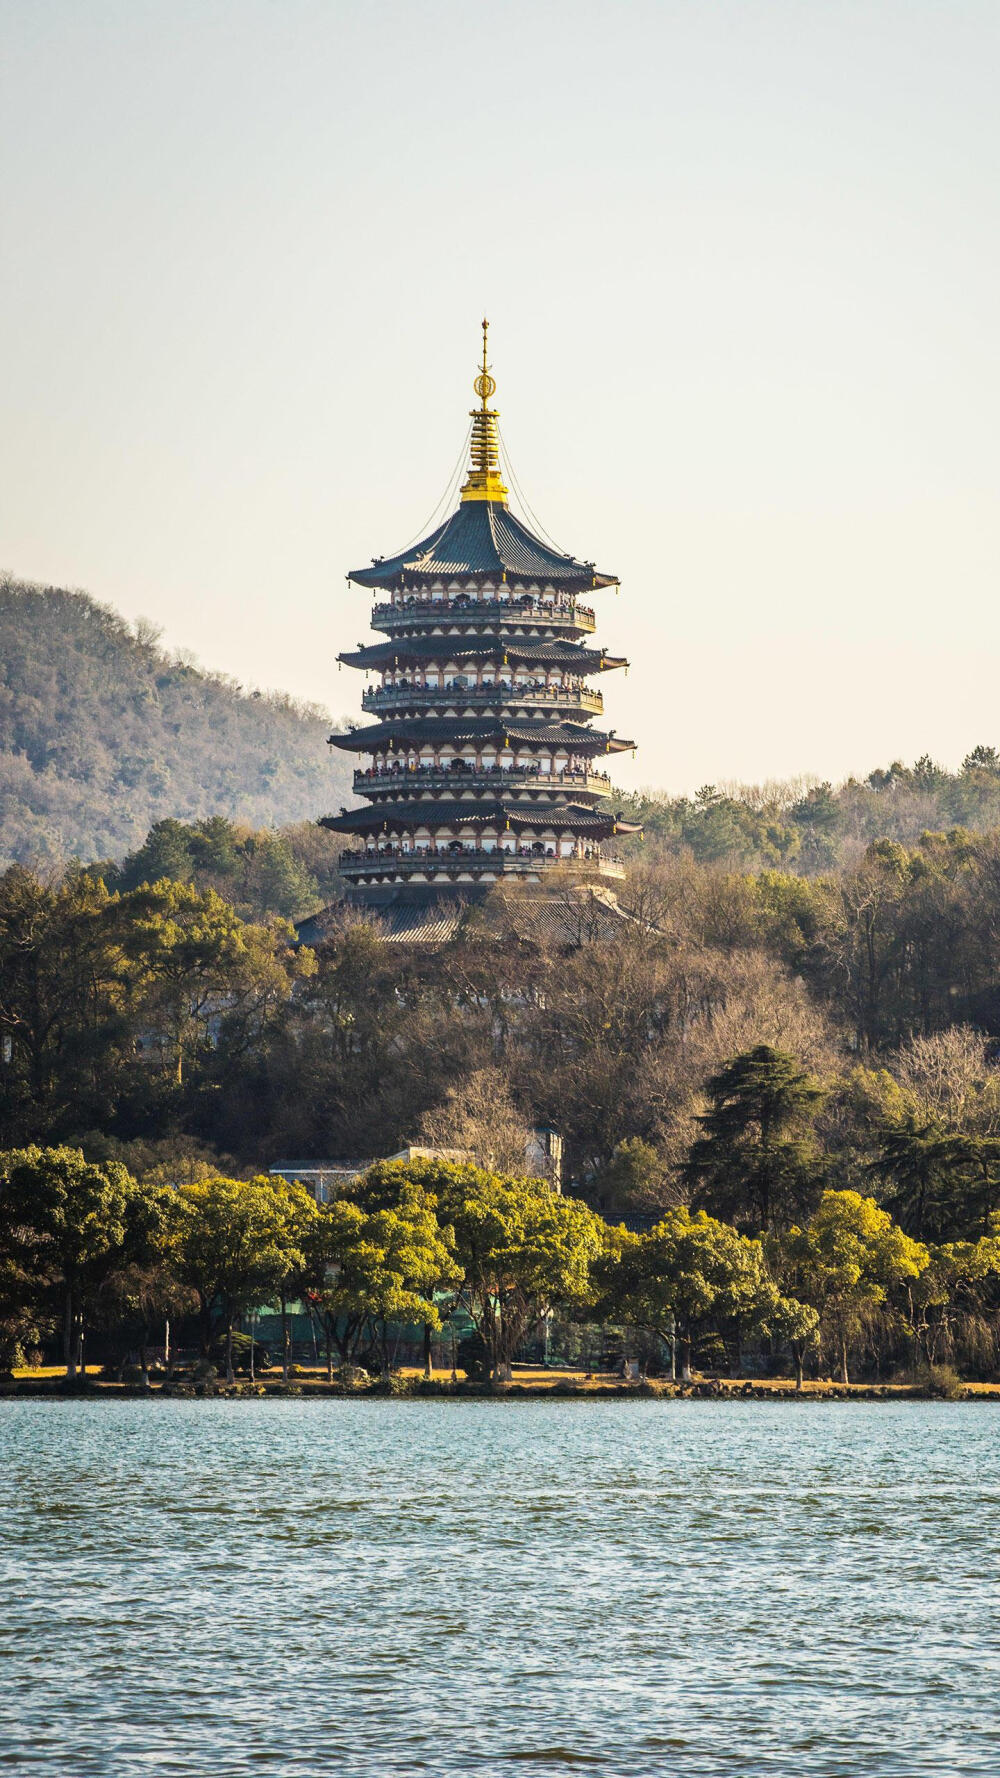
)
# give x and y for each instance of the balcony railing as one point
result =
(392, 861)
(566, 613)
(463, 777)
(427, 697)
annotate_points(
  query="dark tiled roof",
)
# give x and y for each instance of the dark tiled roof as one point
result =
(429, 648)
(422, 922)
(477, 728)
(420, 926)
(559, 918)
(482, 537)
(556, 919)
(492, 810)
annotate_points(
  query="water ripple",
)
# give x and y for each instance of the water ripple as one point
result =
(294, 1588)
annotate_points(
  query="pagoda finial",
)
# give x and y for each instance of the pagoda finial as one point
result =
(484, 384)
(483, 480)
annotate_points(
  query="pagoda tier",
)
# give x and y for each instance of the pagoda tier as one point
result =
(493, 813)
(415, 736)
(483, 542)
(487, 654)
(482, 757)
(441, 610)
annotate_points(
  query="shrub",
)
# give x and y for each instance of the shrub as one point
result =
(353, 1376)
(399, 1385)
(241, 1354)
(942, 1381)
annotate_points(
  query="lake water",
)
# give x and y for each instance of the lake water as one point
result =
(478, 1588)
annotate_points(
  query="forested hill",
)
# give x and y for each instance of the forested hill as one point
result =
(102, 734)
(810, 828)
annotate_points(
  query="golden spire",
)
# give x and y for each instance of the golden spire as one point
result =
(483, 481)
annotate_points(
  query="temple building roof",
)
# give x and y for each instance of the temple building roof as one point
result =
(483, 538)
(430, 648)
(482, 812)
(565, 918)
(403, 730)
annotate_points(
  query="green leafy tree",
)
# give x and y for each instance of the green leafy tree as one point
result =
(958, 1290)
(65, 1221)
(388, 1265)
(386, 1186)
(165, 854)
(689, 1277)
(633, 1178)
(64, 979)
(522, 1248)
(756, 1163)
(302, 1213)
(938, 1181)
(345, 1327)
(847, 1261)
(198, 963)
(234, 1242)
(791, 1323)
(142, 1289)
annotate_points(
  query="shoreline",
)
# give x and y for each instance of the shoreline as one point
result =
(59, 1389)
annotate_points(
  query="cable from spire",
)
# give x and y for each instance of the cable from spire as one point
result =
(508, 469)
(446, 498)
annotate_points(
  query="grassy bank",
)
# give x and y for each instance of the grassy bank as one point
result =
(49, 1382)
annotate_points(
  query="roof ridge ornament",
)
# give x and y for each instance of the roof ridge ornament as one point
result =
(483, 481)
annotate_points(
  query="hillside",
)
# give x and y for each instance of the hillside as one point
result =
(102, 734)
(808, 827)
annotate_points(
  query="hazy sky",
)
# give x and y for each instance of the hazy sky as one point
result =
(741, 262)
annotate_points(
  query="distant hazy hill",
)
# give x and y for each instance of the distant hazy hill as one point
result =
(102, 734)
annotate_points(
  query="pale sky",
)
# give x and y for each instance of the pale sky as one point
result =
(741, 264)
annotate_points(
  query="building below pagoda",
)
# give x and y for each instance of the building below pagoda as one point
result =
(482, 764)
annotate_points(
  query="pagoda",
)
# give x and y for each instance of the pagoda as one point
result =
(483, 758)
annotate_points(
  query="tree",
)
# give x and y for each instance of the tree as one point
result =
(198, 964)
(343, 1327)
(141, 1288)
(387, 1186)
(63, 993)
(958, 1289)
(234, 1242)
(522, 1249)
(478, 1117)
(388, 1263)
(688, 1277)
(22, 1300)
(165, 854)
(951, 1078)
(791, 1323)
(982, 759)
(633, 1178)
(65, 1221)
(939, 1181)
(754, 1163)
(846, 1261)
(302, 1213)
